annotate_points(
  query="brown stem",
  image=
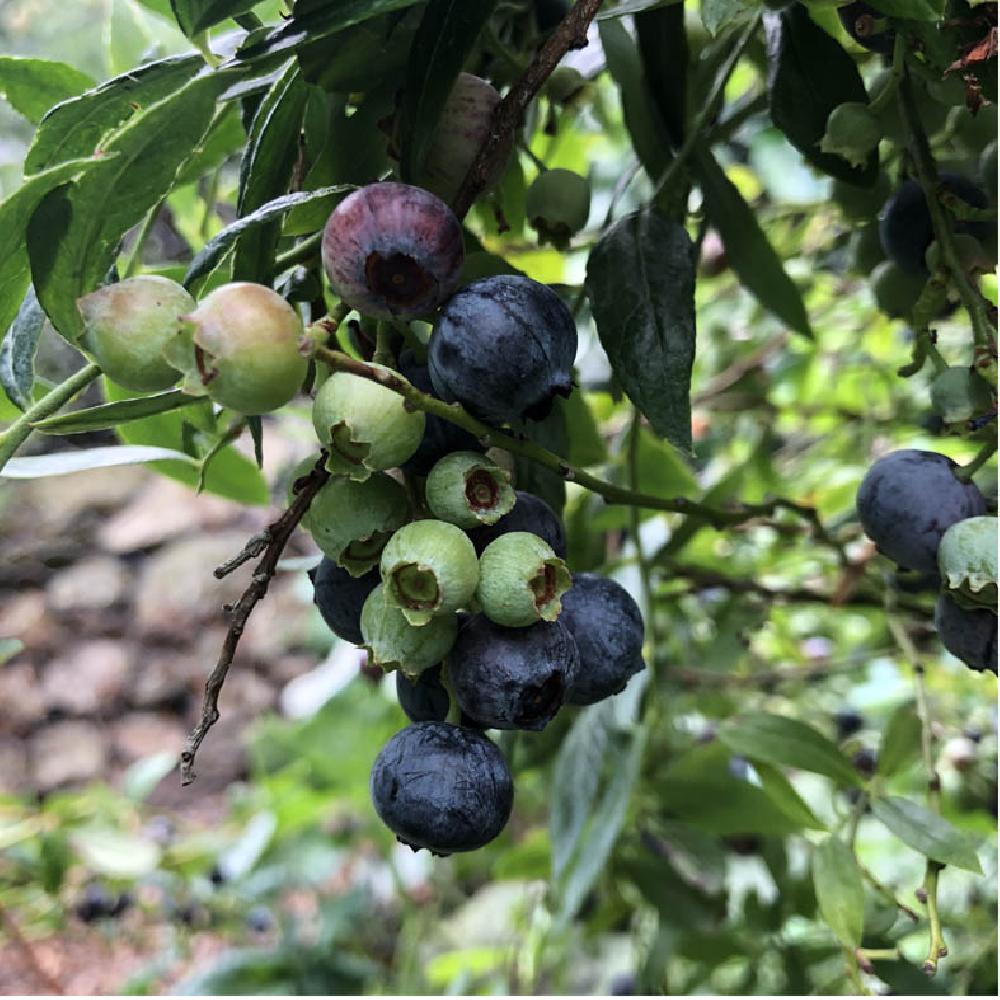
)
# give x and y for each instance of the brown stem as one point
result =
(276, 534)
(570, 33)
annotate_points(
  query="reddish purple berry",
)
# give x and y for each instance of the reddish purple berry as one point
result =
(393, 251)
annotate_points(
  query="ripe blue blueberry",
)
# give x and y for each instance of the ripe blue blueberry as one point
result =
(969, 634)
(503, 347)
(905, 221)
(908, 500)
(393, 250)
(512, 678)
(607, 626)
(424, 699)
(340, 596)
(442, 787)
(530, 514)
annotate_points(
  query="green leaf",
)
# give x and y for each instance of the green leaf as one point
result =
(640, 279)
(32, 86)
(787, 742)
(15, 212)
(698, 788)
(228, 474)
(840, 891)
(575, 779)
(311, 24)
(901, 741)
(586, 446)
(536, 478)
(271, 152)
(106, 415)
(748, 250)
(663, 470)
(77, 127)
(62, 463)
(113, 853)
(664, 49)
(718, 14)
(195, 16)
(911, 10)
(74, 234)
(607, 817)
(926, 832)
(444, 39)
(810, 74)
(781, 792)
(17, 354)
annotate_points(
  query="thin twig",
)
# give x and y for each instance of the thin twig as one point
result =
(24, 946)
(491, 437)
(277, 534)
(570, 33)
(886, 892)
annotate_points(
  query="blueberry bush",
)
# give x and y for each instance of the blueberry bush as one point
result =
(647, 356)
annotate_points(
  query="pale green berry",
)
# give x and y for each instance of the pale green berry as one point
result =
(429, 568)
(240, 347)
(521, 580)
(967, 559)
(394, 644)
(351, 521)
(468, 489)
(364, 426)
(959, 394)
(852, 132)
(558, 205)
(128, 324)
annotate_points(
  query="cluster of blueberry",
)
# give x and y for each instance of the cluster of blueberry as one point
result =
(460, 584)
(920, 514)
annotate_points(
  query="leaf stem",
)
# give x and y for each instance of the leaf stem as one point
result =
(987, 451)
(302, 251)
(17, 433)
(519, 445)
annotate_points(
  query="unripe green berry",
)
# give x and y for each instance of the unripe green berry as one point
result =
(128, 324)
(558, 205)
(364, 426)
(240, 347)
(564, 84)
(896, 291)
(351, 521)
(970, 252)
(959, 394)
(429, 568)
(467, 489)
(967, 559)
(521, 580)
(852, 132)
(394, 644)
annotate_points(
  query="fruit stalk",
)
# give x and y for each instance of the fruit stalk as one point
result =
(571, 32)
(55, 399)
(923, 161)
(491, 437)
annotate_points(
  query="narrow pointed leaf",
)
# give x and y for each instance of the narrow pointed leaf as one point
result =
(97, 418)
(63, 463)
(927, 832)
(32, 86)
(17, 354)
(840, 891)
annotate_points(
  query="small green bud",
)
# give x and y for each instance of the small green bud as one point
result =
(852, 132)
(558, 205)
(467, 489)
(394, 644)
(240, 347)
(967, 559)
(127, 326)
(959, 394)
(521, 580)
(351, 521)
(896, 291)
(365, 426)
(429, 568)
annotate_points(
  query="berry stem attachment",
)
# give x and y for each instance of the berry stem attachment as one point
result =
(927, 176)
(455, 414)
(987, 451)
(272, 543)
(17, 433)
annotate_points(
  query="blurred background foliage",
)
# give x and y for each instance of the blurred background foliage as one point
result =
(707, 887)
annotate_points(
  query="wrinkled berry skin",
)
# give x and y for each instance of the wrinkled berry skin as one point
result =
(393, 251)
(607, 626)
(425, 699)
(860, 20)
(908, 500)
(340, 598)
(440, 436)
(512, 678)
(970, 635)
(503, 347)
(905, 221)
(442, 787)
(531, 514)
